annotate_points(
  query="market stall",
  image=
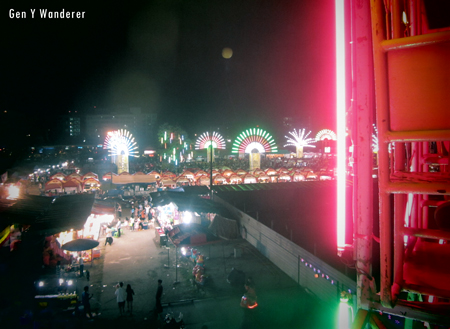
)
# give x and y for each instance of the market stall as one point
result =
(108, 176)
(91, 184)
(298, 177)
(203, 180)
(227, 173)
(263, 178)
(54, 185)
(90, 175)
(59, 176)
(249, 179)
(160, 236)
(182, 180)
(74, 175)
(235, 179)
(86, 248)
(219, 180)
(72, 186)
(167, 183)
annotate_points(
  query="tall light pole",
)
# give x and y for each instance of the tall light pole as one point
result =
(211, 167)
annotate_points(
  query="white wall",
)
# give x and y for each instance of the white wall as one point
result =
(292, 259)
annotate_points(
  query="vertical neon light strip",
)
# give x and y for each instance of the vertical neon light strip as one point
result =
(340, 118)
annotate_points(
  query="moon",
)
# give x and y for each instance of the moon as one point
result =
(227, 53)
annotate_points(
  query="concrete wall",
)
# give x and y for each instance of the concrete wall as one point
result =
(295, 261)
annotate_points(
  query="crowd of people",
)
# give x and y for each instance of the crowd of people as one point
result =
(141, 215)
(147, 165)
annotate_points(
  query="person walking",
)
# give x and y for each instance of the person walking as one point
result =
(119, 210)
(81, 265)
(121, 295)
(159, 293)
(85, 297)
(130, 293)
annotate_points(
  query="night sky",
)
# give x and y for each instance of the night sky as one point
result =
(166, 56)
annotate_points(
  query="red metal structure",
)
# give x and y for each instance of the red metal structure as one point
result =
(400, 64)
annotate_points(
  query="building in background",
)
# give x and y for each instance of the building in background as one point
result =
(91, 126)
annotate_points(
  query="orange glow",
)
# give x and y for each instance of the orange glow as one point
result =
(13, 192)
(253, 306)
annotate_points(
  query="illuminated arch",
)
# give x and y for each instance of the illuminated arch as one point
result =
(326, 134)
(205, 140)
(254, 138)
(121, 142)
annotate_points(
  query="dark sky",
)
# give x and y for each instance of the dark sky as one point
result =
(166, 56)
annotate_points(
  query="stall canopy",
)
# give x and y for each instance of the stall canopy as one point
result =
(191, 235)
(189, 202)
(224, 228)
(49, 215)
(102, 208)
(80, 245)
(72, 185)
(54, 184)
(132, 179)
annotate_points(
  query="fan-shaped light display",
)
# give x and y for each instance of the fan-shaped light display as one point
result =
(254, 138)
(121, 142)
(300, 139)
(205, 140)
(326, 134)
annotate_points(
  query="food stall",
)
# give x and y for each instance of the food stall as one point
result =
(160, 236)
(54, 185)
(56, 292)
(91, 184)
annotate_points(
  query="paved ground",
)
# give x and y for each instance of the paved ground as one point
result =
(136, 259)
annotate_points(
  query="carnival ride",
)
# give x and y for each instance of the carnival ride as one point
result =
(400, 68)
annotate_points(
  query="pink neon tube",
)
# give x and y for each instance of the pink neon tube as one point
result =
(340, 118)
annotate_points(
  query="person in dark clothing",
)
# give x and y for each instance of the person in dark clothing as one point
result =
(130, 293)
(159, 293)
(119, 210)
(85, 297)
(81, 265)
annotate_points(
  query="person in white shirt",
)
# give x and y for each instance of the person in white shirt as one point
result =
(121, 295)
(109, 238)
(118, 227)
(147, 210)
(132, 223)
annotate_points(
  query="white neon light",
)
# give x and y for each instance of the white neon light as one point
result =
(344, 320)
(340, 116)
(254, 145)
